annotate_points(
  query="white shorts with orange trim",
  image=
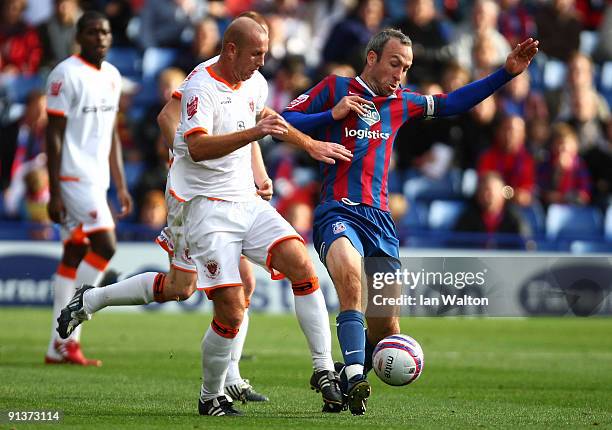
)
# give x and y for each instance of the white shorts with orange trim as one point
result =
(219, 231)
(174, 232)
(87, 209)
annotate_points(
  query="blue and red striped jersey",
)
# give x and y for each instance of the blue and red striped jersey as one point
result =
(370, 137)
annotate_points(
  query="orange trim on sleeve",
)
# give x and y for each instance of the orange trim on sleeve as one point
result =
(96, 261)
(173, 194)
(195, 130)
(55, 112)
(66, 271)
(69, 179)
(216, 77)
(273, 273)
(177, 95)
(182, 269)
(210, 290)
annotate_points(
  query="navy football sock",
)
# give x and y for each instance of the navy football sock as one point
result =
(351, 335)
(369, 349)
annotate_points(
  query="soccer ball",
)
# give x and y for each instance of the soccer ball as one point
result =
(398, 360)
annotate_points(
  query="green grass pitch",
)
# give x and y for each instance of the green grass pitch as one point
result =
(479, 373)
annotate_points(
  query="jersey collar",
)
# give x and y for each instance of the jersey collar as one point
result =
(368, 89)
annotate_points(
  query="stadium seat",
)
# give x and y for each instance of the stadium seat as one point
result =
(425, 188)
(573, 222)
(534, 216)
(605, 81)
(588, 42)
(443, 214)
(469, 182)
(415, 218)
(127, 60)
(20, 87)
(155, 60)
(554, 74)
(608, 224)
(590, 247)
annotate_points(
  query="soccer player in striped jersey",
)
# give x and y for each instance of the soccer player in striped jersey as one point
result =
(353, 220)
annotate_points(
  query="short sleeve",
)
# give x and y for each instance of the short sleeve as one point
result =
(60, 93)
(197, 110)
(313, 100)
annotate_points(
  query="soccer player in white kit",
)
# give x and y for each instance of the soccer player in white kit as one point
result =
(82, 143)
(218, 187)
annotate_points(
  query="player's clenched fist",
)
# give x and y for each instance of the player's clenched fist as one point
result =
(272, 124)
(350, 103)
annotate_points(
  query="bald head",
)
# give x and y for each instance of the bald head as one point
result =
(242, 31)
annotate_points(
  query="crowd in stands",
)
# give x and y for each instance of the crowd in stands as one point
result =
(530, 167)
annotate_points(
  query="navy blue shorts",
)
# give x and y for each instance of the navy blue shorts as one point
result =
(371, 231)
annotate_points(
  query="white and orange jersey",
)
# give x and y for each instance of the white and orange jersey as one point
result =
(89, 98)
(209, 104)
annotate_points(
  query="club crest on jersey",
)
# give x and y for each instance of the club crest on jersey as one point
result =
(297, 101)
(93, 214)
(54, 88)
(338, 227)
(212, 269)
(371, 115)
(252, 105)
(192, 107)
(186, 255)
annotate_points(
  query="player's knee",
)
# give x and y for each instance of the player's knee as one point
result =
(104, 250)
(232, 319)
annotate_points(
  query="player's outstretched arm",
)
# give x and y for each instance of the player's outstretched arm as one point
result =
(326, 152)
(470, 95)
(260, 174)
(117, 172)
(168, 119)
(55, 137)
(203, 146)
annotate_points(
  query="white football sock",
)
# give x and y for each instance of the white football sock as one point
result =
(137, 290)
(233, 370)
(216, 352)
(314, 321)
(63, 290)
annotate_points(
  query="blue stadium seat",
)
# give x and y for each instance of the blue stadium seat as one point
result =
(554, 74)
(415, 218)
(608, 224)
(127, 60)
(21, 86)
(157, 59)
(425, 188)
(469, 182)
(590, 247)
(605, 81)
(443, 214)
(588, 42)
(573, 222)
(534, 216)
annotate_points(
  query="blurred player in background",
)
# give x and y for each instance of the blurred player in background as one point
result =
(82, 144)
(353, 220)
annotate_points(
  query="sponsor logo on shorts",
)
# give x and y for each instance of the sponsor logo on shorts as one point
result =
(212, 269)
(192, 107)
(338, 227)
(241, 125)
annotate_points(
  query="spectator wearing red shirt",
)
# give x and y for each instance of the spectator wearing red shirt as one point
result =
(510, 159)
(515, 22)
(564, 178)
(20, 48)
